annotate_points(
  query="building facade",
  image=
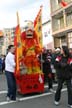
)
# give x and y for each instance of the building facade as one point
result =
(47, 35)
(7, 38)
(61, 21)
(1, 41)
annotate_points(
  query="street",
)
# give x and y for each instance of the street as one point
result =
(41, 100)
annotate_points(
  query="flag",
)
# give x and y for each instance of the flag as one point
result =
(38, 26)
(63, 3)
(18, 46)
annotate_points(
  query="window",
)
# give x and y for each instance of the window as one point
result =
(59, 1)
(70, 40)
(45, 34)
(63, 40)
(69, 19)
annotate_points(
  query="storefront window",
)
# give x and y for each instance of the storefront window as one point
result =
(63, 40)
(70, 40)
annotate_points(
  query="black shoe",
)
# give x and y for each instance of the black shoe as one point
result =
(17, 99)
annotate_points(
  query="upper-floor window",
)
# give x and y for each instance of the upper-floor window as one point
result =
(69, 19)
(70, 39)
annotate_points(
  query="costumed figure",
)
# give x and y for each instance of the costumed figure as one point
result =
(31, 49)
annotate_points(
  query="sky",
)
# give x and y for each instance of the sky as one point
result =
(27, 10)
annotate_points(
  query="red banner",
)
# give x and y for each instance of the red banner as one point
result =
(38, 26)
(18, 52)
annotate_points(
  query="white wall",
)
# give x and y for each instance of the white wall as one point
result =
(47, 35)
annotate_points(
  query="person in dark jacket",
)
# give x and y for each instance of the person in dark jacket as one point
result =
(3, 63)
(45, 59)
(64, 73)
(0, 65)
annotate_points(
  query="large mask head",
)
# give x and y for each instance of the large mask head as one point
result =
(29, 29)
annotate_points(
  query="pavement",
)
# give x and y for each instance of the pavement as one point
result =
(39, 100)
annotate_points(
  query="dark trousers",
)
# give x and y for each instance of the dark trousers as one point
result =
(50, 83)
(69, 90)
(11, 83)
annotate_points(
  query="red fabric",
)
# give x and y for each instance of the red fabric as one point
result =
(38, 15)
(38, 26)
(63, 3)
(30, 83)
(69, 60)
(16, 44)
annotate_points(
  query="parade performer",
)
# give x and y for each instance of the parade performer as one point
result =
(31, 49)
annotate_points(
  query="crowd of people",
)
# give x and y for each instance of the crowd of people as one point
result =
(2, 64)
(56, 66)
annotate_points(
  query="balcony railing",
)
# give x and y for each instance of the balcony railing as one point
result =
(68, 1)
(58, 6)
(55, 7)
(58, 28)
(69, 24)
